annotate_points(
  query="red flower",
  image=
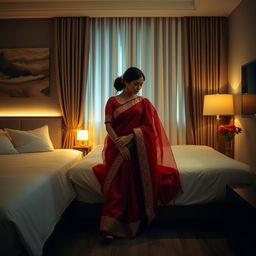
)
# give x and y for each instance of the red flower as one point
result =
(229, 131)
(221, 129)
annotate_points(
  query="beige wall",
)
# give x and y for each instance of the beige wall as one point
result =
(29, 33)
(242, 49)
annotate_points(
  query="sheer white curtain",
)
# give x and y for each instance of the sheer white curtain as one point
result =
(151, 44)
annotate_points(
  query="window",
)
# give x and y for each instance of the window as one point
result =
(151, 44)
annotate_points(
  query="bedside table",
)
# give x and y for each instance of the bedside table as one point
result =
(244, 196)
(241, 218)
(85, 149)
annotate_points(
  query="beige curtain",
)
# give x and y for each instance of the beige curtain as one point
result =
(205, 61)
(72, 37)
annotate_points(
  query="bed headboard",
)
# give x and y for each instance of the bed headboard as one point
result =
(30, 123)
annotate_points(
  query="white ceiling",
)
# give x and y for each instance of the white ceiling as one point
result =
(115, 8)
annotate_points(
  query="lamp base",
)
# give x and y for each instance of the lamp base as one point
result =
(82, 143)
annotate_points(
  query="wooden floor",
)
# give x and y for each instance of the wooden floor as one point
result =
(162, 238)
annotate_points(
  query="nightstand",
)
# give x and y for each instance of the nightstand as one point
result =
(85, 149)
(243, 194)
(241, 218)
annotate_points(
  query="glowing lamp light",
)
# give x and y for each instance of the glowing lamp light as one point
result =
(25, 110)
(82, 136)
(218, 104)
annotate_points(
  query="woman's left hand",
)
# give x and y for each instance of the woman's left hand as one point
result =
(125, 153)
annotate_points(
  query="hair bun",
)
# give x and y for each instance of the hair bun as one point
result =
(119, 84)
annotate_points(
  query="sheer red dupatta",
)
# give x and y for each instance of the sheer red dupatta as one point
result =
(160, 155)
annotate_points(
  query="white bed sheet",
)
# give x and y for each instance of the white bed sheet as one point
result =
(34, 192)
(204, 173)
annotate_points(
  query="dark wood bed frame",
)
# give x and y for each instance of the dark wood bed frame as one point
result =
(80, 212)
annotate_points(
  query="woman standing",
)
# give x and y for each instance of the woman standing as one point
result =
(138, 168)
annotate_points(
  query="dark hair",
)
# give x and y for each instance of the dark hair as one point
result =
(129, 75)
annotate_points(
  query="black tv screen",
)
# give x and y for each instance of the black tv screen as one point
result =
(249, 78)
(249, 89)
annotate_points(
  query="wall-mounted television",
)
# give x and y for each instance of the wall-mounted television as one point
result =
(249, 89)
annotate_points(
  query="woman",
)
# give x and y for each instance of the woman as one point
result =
(138, 168)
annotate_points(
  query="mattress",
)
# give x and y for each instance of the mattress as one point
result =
(204, 174)
(34, 192)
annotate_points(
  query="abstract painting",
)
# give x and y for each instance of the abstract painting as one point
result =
(24, 72)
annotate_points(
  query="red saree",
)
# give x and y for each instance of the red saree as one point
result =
(133, 187)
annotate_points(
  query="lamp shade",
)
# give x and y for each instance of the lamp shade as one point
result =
(82, 135)
(218, 104)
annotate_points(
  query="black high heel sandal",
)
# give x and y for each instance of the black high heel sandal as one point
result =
(107, 238)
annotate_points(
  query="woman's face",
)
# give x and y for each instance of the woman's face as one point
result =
(134, 86)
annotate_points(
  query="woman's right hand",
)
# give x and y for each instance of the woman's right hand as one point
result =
(125, 153)
(120, 142)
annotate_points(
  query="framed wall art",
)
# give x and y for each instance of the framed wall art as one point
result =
(24, 72)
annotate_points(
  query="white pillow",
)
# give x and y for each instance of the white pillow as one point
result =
(37, 140)
(5, 133)
(6, 146)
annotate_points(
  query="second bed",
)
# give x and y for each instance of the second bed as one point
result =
(204, 174)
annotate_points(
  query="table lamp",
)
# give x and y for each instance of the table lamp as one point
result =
(82, 137)
(218, 104)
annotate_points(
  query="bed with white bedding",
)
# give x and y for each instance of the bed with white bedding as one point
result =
(34, 194)
(34, 189)
(204, 174)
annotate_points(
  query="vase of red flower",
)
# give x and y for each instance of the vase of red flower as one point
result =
(229, 131)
